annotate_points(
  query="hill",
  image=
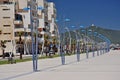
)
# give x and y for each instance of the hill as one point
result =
(112, 35)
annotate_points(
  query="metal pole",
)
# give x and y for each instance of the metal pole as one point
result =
(60, 48)
(62, 54)
(77, 48)
(97, 51)
(58, 38)
(93, 46)
(92, 40)
(96, 42)
(93, 49)
(69, 36)
(87, 53)
(32, 34)
(36, 57)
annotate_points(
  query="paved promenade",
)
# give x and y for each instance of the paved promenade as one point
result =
(103, 67)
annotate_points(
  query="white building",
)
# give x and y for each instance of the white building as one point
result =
(7, 12)
(15, 21)
(52, 18)
(22, 24)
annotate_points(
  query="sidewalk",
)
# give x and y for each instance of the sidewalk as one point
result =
(103, 67)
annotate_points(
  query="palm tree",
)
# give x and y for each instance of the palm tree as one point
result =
(3, 47)
(20, 43)
(46, 39)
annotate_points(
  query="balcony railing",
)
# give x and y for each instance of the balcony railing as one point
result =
(18, 22)
(19, 29)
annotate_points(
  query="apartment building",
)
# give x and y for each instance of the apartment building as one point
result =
(52, 19)
(22, 26)
(18, 20)
(43, 27)
(7, 25)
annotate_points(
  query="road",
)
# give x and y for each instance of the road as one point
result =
(103, 67)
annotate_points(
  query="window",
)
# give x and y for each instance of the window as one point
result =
(18, 17)
(29, 27)
(7, 2)
(53, 32)
(44, 29)
(6, 25)
(7, 40)
(18, 26)
(6, 17)
(6, 9)
(7, 33)
(0, 31)
(46, 23)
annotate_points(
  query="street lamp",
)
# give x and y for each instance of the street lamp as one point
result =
(61, 52)
(99, 36)
(95, 35)
(106, 43)
(86, 43)
(34, 23)
(77, 45)
(69, 37)
(58, 34)
(60, 48)
(91, 33)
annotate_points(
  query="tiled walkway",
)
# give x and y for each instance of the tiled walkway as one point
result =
(103, 67)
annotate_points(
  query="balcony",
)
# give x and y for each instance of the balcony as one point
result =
(18, 19)
(18, 22)
(19, 29)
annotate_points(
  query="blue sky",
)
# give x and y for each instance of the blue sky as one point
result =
(102, 13)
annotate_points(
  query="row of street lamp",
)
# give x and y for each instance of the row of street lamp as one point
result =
(33, 9)
(93, 34)
(34, 24)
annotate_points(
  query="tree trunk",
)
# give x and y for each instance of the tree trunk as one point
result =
(3, 54)
(21, 51)
(20, 55)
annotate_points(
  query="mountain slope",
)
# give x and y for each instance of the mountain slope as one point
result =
(113, 35)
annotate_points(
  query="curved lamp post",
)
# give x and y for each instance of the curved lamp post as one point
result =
(77, 45)
(68, 20)
(95, 35)
(60, 48)
(32, 35)
(91, 33)
(86, 46)
(58, 36)
(101, 46)
(107, 42)
(34, 19)
(61, 52)
(69, 37)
